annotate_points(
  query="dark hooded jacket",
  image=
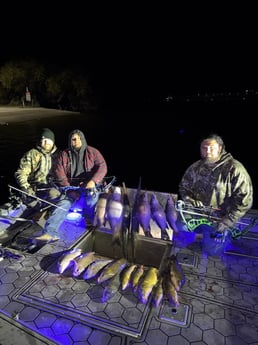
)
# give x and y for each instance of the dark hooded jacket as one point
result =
(225, 185)
(74, 167)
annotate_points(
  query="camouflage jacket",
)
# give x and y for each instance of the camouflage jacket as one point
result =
(35, 167)
(225, 185)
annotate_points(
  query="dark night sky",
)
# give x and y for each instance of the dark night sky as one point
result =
(134, 53)
(139, 50)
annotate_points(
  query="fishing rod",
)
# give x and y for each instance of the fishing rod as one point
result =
(20, 219)
(90, 190)
(36, 197)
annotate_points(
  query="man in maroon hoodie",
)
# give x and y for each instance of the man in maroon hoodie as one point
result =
(80, 165)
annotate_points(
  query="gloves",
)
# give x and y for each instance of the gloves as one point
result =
(196, 203)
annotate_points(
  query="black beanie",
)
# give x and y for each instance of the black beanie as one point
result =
(47, 134)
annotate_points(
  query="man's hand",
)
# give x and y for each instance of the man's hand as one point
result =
(195, 203)
(27, 194)
(28, 191)
(222, 227)
(224, 224)
(90, 185)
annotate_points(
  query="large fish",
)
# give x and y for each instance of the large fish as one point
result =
(94, 268)
(126, 275)
(136, 277)
(100, 210)
(114, 267)
(159, 216)
(135, 222)
(147, 284)
(126, 221)
(143, 213)
(111, 288)
(126, 208)
(171, 213)
(175, 272)
(114, 215)
(134, 229)
(66, 259)
(170, 290)
(83, 261)
(158, 292)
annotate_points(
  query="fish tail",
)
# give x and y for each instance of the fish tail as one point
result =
(116, 241)
(147, 233)
(165, 235)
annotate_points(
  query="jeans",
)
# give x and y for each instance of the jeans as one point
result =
(87, 202)
(57, 217)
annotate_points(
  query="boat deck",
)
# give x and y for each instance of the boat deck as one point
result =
(218, 302)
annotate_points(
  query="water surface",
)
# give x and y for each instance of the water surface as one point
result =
(152, 144)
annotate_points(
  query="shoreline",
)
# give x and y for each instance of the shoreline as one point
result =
(17, 114)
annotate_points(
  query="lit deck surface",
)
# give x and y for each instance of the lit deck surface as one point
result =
(218, 302)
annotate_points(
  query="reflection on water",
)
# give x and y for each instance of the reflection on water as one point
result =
(153, 145)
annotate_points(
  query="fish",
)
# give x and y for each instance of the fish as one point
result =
(94, 268)
(136, 276)
(171, 213)
(111, 288)
(147, 284)
(134, 230)
(170, 290)
(126, 208)
(111, 269)
(66, 259)
(158, 292)
(159, 216)
(100, 210)
(135, 222)
(114, 215)
(82, 261)
(143, 213)
(126, 221)
(175, 272)
(126, 275)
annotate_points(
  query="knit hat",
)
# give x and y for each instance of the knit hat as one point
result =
(46, 133)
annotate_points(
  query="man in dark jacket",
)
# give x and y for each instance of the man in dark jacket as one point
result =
(80, 166)
(220, 184)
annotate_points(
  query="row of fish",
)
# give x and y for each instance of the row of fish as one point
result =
(120, 274)
(146, 209)
(115, 208)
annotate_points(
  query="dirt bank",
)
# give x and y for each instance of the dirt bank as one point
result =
(17, 114)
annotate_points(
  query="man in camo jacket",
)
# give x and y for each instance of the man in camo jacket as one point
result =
(36, 167)
(219, 182)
